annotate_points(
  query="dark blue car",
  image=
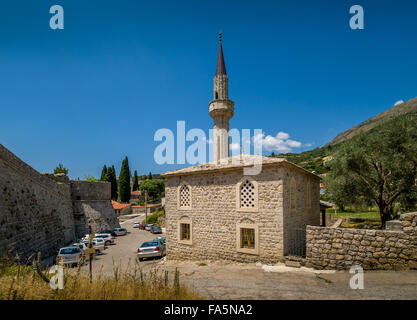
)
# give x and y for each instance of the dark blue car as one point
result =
(156, 229)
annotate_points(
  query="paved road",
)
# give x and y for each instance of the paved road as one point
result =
(124, 250)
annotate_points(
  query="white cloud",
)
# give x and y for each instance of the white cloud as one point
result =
(280, 143)
(234, 146)
(398, 102)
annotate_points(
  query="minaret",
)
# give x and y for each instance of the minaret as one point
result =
(221, 109)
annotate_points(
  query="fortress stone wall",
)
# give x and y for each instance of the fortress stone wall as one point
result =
(39, 213)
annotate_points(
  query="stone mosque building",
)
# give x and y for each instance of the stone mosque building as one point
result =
(216, 211)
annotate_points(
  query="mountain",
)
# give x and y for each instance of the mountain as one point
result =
(317, 159)
(403, 108)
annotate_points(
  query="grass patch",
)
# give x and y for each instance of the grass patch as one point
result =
(372, 218)
(19, 282)
(202, 264)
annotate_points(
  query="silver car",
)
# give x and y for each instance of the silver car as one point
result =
(148, 249)
(71, 255)
(120, 231)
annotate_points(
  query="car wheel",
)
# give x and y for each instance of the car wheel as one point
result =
(140, 259)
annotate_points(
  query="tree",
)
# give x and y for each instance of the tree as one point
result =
(105, 174)
(150, 176)
(155, 188)
(60, 169)
(90, 178)
(378, 166)
(135, 182)
(111, 172)
(124, 182)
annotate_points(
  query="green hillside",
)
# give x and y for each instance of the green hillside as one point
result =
(318, 159)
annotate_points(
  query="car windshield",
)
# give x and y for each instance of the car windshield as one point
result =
(69, 250)
(156, 227)
(149, 244)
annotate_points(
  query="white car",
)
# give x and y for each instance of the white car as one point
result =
(120, 231)
(107, 237)
(98, 245)
(136, 224)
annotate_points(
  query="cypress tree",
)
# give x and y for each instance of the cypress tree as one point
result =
(150, 176)
(111, 172)
(135, 182)
(124, 181)
(104, 174)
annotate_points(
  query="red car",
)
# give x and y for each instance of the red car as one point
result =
(142, 226)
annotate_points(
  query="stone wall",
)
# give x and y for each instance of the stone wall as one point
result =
(340, 248)
(35, 210)
(215, 216)
(43, 212)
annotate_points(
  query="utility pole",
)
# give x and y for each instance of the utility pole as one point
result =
(146, 207)
(90, 251)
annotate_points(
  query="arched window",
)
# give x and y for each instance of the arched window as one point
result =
(216, 95)
(184, 196)
(247, 195)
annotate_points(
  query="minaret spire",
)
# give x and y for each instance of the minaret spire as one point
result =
(221, 108)
(221, 67)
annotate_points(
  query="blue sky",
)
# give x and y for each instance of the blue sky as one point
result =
(98, 90)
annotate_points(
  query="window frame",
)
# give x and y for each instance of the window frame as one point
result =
(239, 240)
(182, 221)
(255, 208)
(184, 184)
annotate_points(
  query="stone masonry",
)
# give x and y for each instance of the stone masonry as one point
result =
(214, 215)
(340, 248)
(43, 212)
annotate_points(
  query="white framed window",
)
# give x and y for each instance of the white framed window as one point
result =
(247, 195)
(184, 197)
(185, 230)
(247, 238)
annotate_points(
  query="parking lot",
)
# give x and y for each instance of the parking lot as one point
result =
(124, 249)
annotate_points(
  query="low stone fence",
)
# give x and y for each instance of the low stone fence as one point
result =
(340, 248)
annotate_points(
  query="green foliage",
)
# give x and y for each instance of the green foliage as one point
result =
(60, 169)
(153, 218)
(379, 166)
(111, 173)
(155, 188)
(105, 174)
(124, 182)
(135, 182)
(90, 178)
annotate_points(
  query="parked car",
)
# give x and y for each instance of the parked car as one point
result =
(148, 227)
(151, 249)
(98, 245)
(80, 245)
(162, 239)
(107, 237)
(120, 231)
(136, 224)
(111, 231)
(142, 226)
(72, 255)
(156, 229)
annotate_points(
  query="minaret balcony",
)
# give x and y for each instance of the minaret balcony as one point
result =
(221, 108)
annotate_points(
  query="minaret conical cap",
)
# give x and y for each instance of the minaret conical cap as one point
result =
(221, 67)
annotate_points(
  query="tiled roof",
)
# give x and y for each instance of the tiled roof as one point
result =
(119, 206)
